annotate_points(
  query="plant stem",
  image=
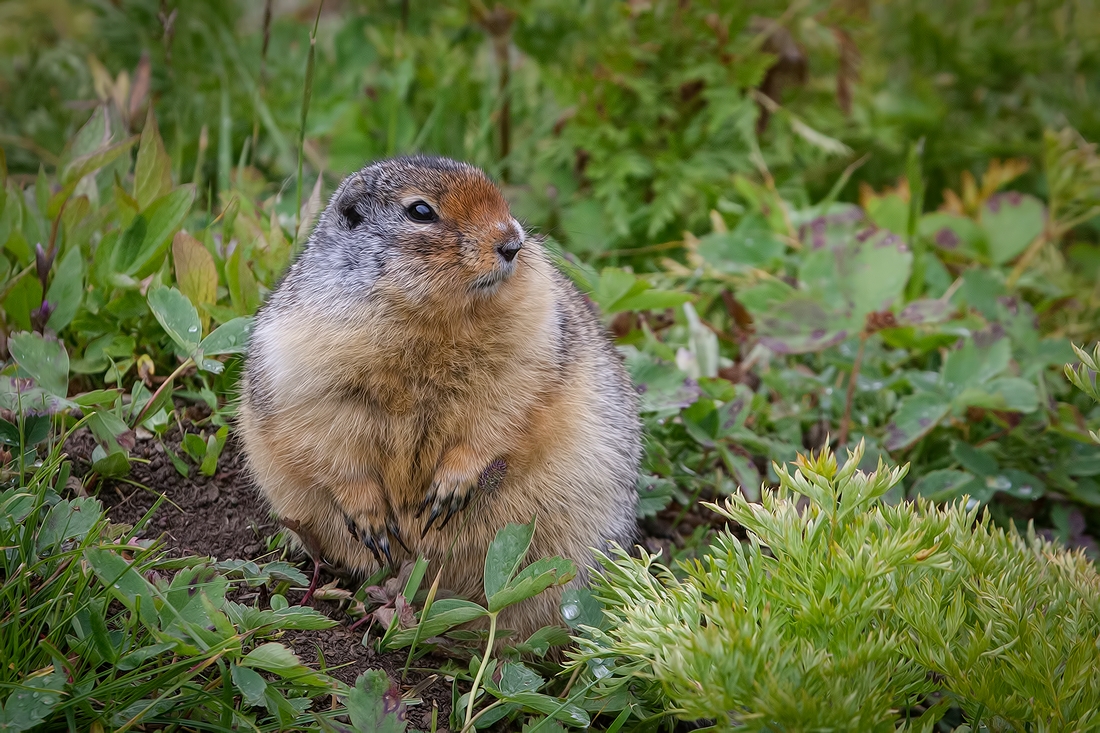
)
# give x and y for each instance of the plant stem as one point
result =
(307, 93)
(842, 438)
(179, 370)
(481, 671)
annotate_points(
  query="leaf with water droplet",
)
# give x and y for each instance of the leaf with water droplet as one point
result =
(177, 316)
(229, 338)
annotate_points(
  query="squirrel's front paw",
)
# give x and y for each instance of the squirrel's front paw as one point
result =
(452, 493)
(375, 532)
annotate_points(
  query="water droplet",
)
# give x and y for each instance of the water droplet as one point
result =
(600, 670)
(1024, 490)
(972, 504)
(35, 695)
(570, 611)
(193, 329)
(998, 483)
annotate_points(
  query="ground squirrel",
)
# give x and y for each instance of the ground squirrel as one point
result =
(423, 341)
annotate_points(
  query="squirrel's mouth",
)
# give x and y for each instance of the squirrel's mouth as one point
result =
(488, 282)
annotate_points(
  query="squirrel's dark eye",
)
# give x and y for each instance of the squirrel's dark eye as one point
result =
(420, 211)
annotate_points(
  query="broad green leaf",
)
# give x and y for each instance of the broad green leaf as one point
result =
(614, 285)
(972, 365)
(375, 704)
(516, 677)
(66, 290)
(32, 701)
(445, 614)
(68, 520)
(974, 459)
(1019, 484)
(194, 446)
(196, 273)
(953, 233)
(228, 338)
(123, 582)
(141, 248)
(272, 657)
(944, 485)
(177, 316)
(95, 160)
(554, 707)
(9, 433)
(139, 656)
(917, 415)
(1011, 221)
(649, 299)
(244, 292)
(532, 580)
(113, 464)
(505, 553)
(580, 608)
(153, 170)
(250, 683)
(44, 360)
(752, 243)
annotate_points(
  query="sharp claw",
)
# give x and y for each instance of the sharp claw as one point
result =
(436, 510)
(396, 534)
(369, 542)
(451, 511)
(423, 506)
(384, 544)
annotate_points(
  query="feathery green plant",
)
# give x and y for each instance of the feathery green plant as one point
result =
(841, 610)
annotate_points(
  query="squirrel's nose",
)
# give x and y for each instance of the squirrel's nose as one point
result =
(508, 249)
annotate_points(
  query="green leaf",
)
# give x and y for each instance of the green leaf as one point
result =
(95, 160)
(177, 316)
(32, 701)
(196, 273)
(532, 580)
(244, 292)
(153, 170)
(752, 243)
(66, 290)
(505, 553)
(194, 446)
(1011, 221)
(516, 678)
(44, 360)
(68, 520)
(251, 685)
(375, 704)
(445, 614)
(974, 460)
(123, 582)
(214, 445)
(141, 248)
(272, 657)
(972, 365)
(917, 415)
(9, 433)
(952, 233)
(649, 299)
(551, 706)
(944, 485)
(228, 338)
(580, 608)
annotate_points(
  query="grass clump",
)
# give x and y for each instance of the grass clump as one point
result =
(841, 610)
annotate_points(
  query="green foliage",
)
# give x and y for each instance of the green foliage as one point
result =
(100, 629)
(840, 612)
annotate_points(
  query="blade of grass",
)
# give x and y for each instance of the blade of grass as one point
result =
(307, 93)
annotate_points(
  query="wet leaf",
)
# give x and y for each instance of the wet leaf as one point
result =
(177, 316)
(532, 580)
(251, 685)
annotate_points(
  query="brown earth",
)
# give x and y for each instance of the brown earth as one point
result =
(222, 516)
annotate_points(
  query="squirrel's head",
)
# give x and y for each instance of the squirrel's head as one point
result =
(420, 228)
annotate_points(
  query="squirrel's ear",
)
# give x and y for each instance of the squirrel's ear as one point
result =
(351, 214)
(347, 204)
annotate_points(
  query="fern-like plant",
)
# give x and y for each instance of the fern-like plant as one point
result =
(842, 612)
